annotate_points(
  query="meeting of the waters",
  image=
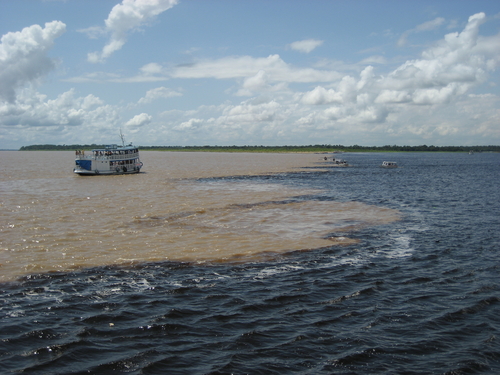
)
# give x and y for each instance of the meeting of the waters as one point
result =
(251, 263)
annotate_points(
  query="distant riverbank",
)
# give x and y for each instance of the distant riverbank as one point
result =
(295, 149)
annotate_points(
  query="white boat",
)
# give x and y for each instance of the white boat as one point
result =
(340, 162)
(111, 159)
(389, 164)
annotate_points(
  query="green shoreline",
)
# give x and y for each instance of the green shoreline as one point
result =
(283, 149)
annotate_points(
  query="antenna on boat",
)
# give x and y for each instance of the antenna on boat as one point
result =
(122, 137)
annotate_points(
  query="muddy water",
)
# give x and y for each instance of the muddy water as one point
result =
(184, 206)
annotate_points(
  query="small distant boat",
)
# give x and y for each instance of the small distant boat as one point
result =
(340, 162)
(389, 164)
(111, 159)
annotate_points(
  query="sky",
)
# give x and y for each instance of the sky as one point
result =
(250, 72)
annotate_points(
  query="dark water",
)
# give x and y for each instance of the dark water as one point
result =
(419, 296)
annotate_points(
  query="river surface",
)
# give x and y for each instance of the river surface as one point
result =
(221, 263)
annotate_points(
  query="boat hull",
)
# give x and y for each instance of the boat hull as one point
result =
(97, 172)
(389, 164)
(340, 163)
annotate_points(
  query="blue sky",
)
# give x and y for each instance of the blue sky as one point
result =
(260, 72)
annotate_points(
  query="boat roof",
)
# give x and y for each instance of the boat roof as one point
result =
(115, 147)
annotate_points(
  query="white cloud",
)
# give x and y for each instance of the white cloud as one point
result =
(151, 69)
(306, 46)
(259, 83)
(151, 72)
(23, 56)
(93, 32)
(158, 93)
(256, 82)
(249, 112)
(458, 46)
(426, 97)
(246, 66)
(421, 99)
(124, 17)
(344, 93)
(374, 60)
(320, 95)
(442, 76)
(139, 120)
(94, 77)
(32, 108)
(393, 96)
(426, 26)
(434, 95)
(189, 125)
(430, 25)
(69, 118)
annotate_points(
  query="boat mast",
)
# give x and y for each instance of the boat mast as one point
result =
(122, 137)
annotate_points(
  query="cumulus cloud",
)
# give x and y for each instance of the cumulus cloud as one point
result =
(23, 56)
(455, 64)
(458, 46)
(23, 110)
(139, 121)
(36, 117)
(249, 112)
(419, 98)
(438, 82)
(306, 46)
(259, 83)
(189, 125)
(427, 96)
(320, 95)
(34, 108)
(256, 82)
(393, 96)
(124, 17)
(158, 93)
(445, 71)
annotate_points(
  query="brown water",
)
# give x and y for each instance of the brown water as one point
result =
(54, 220)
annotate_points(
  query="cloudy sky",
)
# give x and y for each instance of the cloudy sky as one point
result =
(250, 72)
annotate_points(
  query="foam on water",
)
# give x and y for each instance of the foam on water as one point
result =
(401, 247)
(271, 271)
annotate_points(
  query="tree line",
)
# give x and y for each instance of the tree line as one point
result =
(310, 148)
